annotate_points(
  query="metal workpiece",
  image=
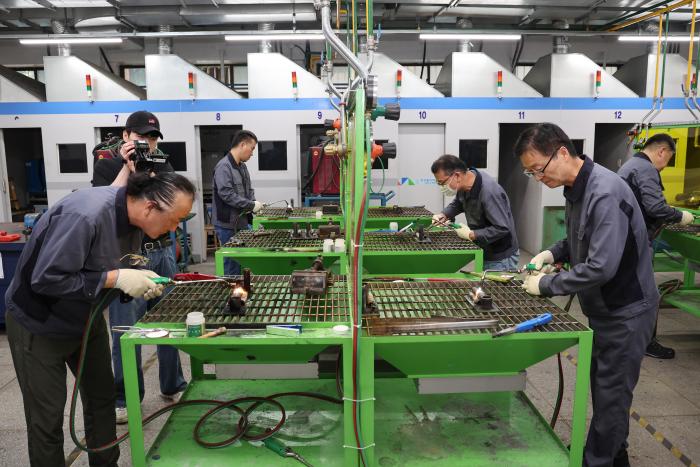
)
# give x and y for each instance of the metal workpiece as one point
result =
(271, 301)
(446, 240)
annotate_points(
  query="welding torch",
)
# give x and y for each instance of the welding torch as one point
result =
(187, 279)
(276, 446)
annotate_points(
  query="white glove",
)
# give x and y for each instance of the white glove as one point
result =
(531, 284)
(463, 231)
(440, 219)
(545, 257)
(138, 283)
(258, 206)
(687, 218)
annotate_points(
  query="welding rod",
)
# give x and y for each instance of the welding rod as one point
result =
(389, 325)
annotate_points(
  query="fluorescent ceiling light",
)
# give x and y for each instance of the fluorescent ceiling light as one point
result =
(469, 37)
(275, 37)
(268, 17)
(655, 39)
(75, 40)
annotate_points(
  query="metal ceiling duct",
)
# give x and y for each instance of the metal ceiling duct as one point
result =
(165, 43)
(266, 44)
(58, 27)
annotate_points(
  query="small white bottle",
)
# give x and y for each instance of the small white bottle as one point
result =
(339, 246)
(195, 324)
(328, 245)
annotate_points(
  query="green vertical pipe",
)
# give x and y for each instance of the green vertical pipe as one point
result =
(133, 401)
(578, 420)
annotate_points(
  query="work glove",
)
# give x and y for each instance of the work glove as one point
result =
(440, 219)
(531, 284)
(138, 283)
(545, 257)
(687, 218)
(258, 206)
(463, 231)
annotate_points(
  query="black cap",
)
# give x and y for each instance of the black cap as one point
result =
(143, 123)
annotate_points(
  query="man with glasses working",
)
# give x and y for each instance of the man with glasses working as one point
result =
(608, 249)
(487, 209)
(642, 174)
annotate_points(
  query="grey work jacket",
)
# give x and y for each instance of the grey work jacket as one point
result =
(233, 195)
(645, 182)
(64, 264)
(607, 246)
(487, 209)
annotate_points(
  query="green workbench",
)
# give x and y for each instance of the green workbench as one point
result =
(379, 218)
(688, 246)
(384, 253)
(400, 426)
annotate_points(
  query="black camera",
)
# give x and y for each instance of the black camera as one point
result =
(144, 159)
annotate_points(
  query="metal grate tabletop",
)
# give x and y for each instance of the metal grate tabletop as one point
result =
(301, 211)
(439, 241)
(273, 238)
(689, 229)
(398, 211)
(447, 298)
(272, 302)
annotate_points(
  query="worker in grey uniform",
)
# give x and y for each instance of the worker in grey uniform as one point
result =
(642, 174)
(608, 249)
(486, 207)
(71, 258)
(233, 194)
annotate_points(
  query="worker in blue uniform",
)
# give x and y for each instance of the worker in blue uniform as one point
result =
(233, 193)
(642, 174)
(608, 249)
(71, 258)
(113, 167)
(486, 207)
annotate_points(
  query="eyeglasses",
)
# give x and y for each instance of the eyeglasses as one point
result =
(443, 182)
(539, 173)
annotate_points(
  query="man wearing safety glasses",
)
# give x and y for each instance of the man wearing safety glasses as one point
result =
(608, 249)
(486, 207)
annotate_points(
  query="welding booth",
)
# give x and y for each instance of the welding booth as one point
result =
(386, 324)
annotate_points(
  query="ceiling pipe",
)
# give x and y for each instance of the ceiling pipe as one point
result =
(59, 28)
(265, 44)
(560, 44)
(165, 43)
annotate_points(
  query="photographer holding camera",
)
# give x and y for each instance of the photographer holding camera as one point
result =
(115, 159)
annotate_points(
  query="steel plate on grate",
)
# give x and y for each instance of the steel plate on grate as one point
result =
(406, 241)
